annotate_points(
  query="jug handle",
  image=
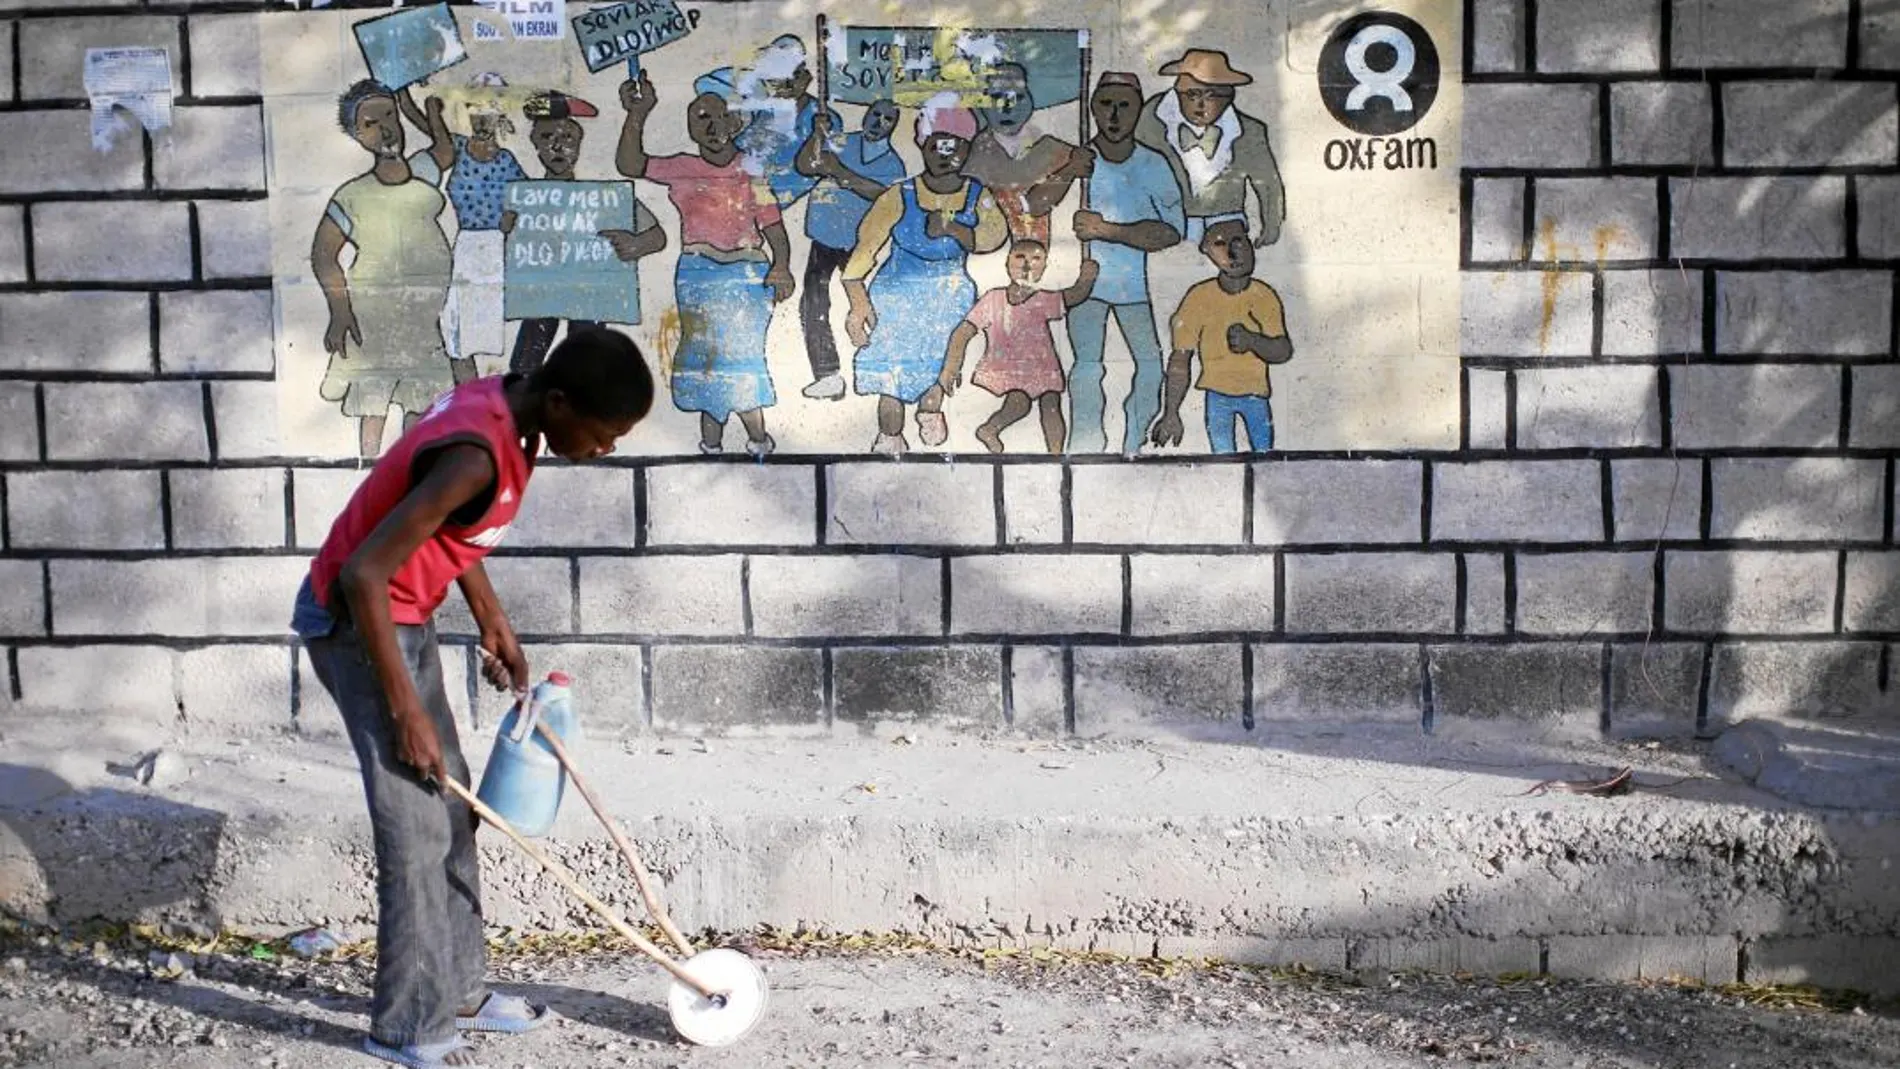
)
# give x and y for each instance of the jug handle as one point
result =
(524, 724)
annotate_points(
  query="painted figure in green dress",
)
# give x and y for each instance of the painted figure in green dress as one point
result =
(384, 337)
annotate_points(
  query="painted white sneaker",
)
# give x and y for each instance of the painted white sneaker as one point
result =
(761, 448)
(829, 388)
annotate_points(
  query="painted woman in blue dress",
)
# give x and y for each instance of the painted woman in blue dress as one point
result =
(733, 266)
(901, 321)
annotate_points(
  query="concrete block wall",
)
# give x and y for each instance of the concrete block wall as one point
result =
(1693, 195)
(1673, 504)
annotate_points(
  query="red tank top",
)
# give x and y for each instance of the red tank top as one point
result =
(477, 413)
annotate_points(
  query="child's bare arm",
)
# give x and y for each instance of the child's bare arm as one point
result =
(507, 667)
(1269, 348)
(1083, 285)
(460, 474)
(954, 355)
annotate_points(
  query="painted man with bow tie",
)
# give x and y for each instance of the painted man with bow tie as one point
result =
(1216, 150)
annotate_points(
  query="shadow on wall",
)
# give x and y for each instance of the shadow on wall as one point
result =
(69, 856)
(1800, 363)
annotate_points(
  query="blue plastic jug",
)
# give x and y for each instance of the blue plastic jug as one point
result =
(524, 781)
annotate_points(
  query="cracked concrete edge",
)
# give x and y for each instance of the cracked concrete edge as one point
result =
(1767, 897)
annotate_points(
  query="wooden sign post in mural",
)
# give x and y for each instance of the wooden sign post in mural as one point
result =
(558, 265)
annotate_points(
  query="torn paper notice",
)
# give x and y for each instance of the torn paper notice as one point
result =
(136, 79)
(528, 20)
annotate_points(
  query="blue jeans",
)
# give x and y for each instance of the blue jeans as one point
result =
(1223, 409)
(1088, 335)
(430, 953)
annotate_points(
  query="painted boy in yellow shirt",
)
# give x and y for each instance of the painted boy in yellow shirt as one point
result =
(1238, 326)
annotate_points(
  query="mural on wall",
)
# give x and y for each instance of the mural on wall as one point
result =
(862, 218)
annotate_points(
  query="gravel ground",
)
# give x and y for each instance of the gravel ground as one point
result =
(79, 1005)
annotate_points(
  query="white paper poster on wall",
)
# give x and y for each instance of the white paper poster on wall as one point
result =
(527, 20)
(136, 79)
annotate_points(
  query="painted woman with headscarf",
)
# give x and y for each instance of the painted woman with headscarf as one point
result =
(388, 303)
(902, 321)
(734, 263)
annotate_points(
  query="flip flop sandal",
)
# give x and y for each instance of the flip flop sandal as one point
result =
(420, 1056)
(506, 1014)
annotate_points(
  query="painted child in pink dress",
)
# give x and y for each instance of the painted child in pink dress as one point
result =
(1019, 361)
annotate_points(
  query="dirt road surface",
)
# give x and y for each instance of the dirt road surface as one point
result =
(79, 1006)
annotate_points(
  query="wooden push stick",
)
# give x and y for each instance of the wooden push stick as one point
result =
(641, 877)
(568, 880)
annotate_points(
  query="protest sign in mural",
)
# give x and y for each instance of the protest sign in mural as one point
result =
(620, 33)
(406, 46)
(560, 260)
(909, 65)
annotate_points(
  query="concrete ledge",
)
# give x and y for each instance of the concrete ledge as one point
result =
(1407, 853)
(1709, 959)
(1834, 961)
(1466, 954)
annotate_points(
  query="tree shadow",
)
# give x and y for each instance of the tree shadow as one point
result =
(190, 995)
(79, 855)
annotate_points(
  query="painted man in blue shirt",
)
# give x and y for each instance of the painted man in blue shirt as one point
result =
(851, 173)
(1134, 209)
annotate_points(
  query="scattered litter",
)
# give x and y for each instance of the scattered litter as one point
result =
(903, 740)
(153, 768)
(263, 952)
(169, 965)
(1055, 765)
(315, 942)
(868, 788)
(699, 746)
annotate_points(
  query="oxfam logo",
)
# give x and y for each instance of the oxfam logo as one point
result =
(1378, 73)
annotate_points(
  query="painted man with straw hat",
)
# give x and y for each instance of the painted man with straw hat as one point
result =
(1217, 151)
